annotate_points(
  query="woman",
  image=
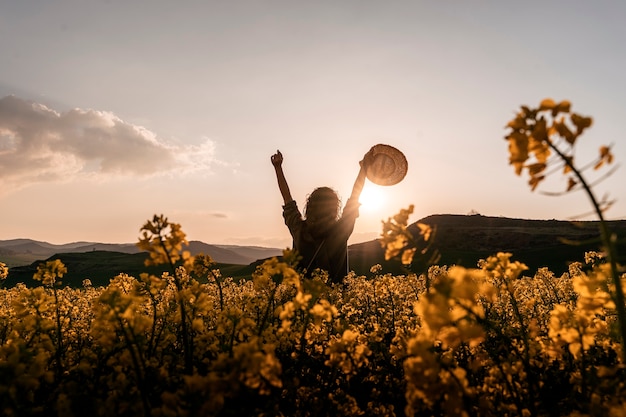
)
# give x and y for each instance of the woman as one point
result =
(321, 236)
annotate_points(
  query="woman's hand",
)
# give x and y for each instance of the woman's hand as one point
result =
(277, 159)
(367, 160)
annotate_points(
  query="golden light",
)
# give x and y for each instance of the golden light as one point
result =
(372, 198)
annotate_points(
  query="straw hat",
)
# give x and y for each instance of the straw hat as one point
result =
(387, 165)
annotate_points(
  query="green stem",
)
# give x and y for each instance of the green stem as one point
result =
(610, 248)
(137, 364)
(59, 333)
(187, 354)
(268, 310)
(219, 289)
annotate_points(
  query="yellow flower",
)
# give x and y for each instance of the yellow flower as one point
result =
(4, 271)
(50, 272)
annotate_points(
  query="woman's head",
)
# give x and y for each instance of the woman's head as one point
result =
(322, 208)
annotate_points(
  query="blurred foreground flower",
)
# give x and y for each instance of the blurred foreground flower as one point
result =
(538, 133)
(4, 271)
(50, 273)
(398, 241)
(546, 135)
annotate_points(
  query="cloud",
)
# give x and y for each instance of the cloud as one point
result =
(261, 241)
(38, 144)
(219, 215)
(200, 213)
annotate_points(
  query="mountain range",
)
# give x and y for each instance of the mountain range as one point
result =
(456, 239)
(19, 252)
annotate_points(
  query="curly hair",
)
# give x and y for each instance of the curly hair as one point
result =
(322, 209)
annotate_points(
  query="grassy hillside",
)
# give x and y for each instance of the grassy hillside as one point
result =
(97, 266)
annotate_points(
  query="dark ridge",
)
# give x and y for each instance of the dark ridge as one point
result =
(465, 239)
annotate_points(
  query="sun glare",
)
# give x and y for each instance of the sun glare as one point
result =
(372, 198)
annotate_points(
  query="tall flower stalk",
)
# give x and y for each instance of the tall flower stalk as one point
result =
(164, 243)
(538, 137)
(50, 275)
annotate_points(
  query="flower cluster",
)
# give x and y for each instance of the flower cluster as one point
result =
(399, 242)
(4, 271)
(538, 133)
(493, 342)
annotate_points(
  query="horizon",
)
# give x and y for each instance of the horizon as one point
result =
(112, 112)
(276, 247)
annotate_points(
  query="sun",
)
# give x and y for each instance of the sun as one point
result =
(372, 198)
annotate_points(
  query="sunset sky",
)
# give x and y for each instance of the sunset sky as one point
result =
(112, 111)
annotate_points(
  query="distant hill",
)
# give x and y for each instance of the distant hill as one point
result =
(457, 239)
(253, 252)
(20, 252)
(97, 266)
(219, 254)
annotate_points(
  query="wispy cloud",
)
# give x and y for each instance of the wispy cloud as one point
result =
(39, 144)
(219, 215)
(199, 213)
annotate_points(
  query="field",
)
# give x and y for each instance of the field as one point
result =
(452, 341)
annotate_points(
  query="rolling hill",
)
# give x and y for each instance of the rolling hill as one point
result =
(457, 239)
(465, 239)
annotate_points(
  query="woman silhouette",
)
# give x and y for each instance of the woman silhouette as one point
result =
(321, 236)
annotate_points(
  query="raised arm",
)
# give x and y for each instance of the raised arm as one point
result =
(360, 178)
(277, 161)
